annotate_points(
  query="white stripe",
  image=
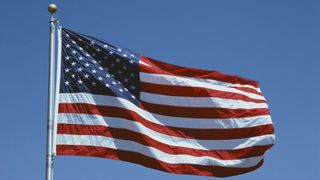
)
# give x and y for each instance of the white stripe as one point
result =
(195, 123)
(192, 82)
(126, 145)
(163, 138)
(215, 81)
(199, 101)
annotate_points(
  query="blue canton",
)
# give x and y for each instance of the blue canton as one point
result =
(90, 65)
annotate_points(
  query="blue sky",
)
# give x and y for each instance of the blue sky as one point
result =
(274, 42)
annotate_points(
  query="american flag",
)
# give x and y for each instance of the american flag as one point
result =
(115, 103)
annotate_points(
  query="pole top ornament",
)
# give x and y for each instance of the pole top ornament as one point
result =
(52, 8)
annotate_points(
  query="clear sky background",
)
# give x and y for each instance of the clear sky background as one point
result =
(273, 41)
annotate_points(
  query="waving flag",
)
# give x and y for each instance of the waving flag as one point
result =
(115, 103)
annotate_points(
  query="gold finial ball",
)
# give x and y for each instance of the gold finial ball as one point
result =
(52, 8)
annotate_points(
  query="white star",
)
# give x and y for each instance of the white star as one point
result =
(93, 83)
(125, 89)
(67, 58)
(73, 42)
(131, 62)
(107, 85)
(87, 64)
(101, 68)
(93, 54)
(79, 69)
(119, 49)
(124, 67)
(108, 75)
(73, 75)
(67, 83)
(67, 70)
(111, 52)
(133, 96)
(92, 42)
(131, 55)
(87, 55)
(120, 90)
(73, 63)
(132, 87)
(100, 78)
(68, 45)
(124, 55)
(79, 39)
(94, 71)
(114, 82)
(67, 35)
(81, 48)
(125, 79)
(106, 46)
(98, 50)
(74, 52)
(86, 76)
(80, 58)
(80, 82)
(118, 60)
(131, 74)
(94, 61)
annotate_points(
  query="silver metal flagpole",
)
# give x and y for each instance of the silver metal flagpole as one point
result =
(52, 8)
(57, 90)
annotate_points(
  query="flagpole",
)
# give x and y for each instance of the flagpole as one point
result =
(52, 8)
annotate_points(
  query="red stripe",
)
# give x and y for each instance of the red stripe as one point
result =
(193, 92)
(169, 69)
(146, 161)
(118, 133)
(205, 134)
(202, 112)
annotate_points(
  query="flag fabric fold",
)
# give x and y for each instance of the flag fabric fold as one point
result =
(115, 103)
